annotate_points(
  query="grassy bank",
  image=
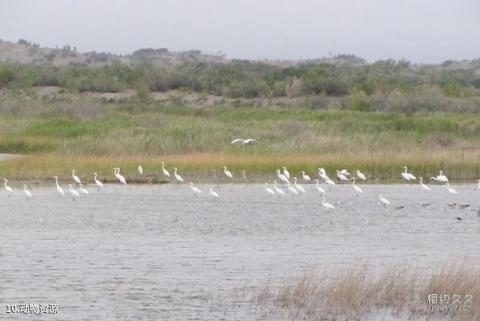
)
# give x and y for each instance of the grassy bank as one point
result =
(354, 294)
(59, 132)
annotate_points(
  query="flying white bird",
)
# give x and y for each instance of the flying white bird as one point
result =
(277, 189)
(282, 177)
(140, 170)
(319, 188)
(383, 200)
(361, 175)
(177, 176)
(97, 182)
(164, 170)
(195, 189)
(213, 193)
(424, 186)
(269, 190)
(28, 194)
(59, 188)
(305, 177)
(407, 176)
(247, 141)
(298, 186)
(7, 188)
(327, 205)
(355, 187)
(76, 179)
(227, 172)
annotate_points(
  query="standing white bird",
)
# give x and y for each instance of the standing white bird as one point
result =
(327, 205)
(450, 189)
(227, 172)
(407, 176)
(277, 189)
(28, 194)
(7, 188)
(269, 190)
(355, 187)
(319, 188)
(164, 170)
(322, 173)
(83, 190)
(213, 193)
(286, 172)
(247, 141)
(97, 182)
(328, 181)
(73, 192)
(383, 200)
(119, 176)
(195, 189)
(282, 177)
(59, 188)
(140, 169)
(244, 176)
(440, 178)
(345, 172)
(298, 186)
(361, 175)
(76, 179)
(423, 185)
(177, 176)
(341, 177)
(292, 189)
(306, 177)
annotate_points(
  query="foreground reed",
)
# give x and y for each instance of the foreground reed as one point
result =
(451, 292)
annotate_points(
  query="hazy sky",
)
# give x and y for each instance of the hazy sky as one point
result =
(418, 30)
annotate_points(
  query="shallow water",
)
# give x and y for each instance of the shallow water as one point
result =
(160, 253)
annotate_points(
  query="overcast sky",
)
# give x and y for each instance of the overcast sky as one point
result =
(417, 30)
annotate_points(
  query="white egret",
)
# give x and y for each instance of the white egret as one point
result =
(227, 172)
(59, 188)
(319, 188)
(361, 175)
(215, 176)
(120, 178)
(305, 177)
(7, 188)
(328, 180)
(76, 179)
(140, 169)
(355, 187)
(383, 200)
(423, 185)
(298, 186)
(277, 189)
(407, 176)
(440, 178)
(97, 182)
(244, 176)
(28, 194)
(450, 189)
(286, 172)
(213, 193)
(345, 172)
(83, 190)
(164, 170)
(341, 177)
(73, 192)
(177, 176)
(247, 141)
(322, 173)
(292, 189)
(269, 190)
(282, 177)
(195, 189)
(327, 205)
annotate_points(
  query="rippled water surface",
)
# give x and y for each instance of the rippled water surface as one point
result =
(160, 253)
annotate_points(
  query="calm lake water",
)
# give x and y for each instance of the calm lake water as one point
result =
(160, 253)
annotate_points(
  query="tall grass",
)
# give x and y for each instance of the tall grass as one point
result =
(358, 293)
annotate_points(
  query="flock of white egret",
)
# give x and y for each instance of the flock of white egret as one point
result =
(76, 187)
